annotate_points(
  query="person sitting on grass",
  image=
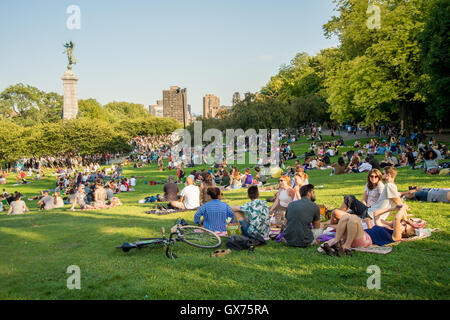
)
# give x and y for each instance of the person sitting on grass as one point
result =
(100, 196)
(215, 213)
(254, 215)
(208, 182)
(427, 194)
(387, 201)
(171, 190)
(351, 231)
(430, 162)
(300, 180)
(248, 178)
(58, 200)
(47, 202)
(283, 197)
(80, 199)
(225, 180)
(189, 196)
(300, 215)
(338, 167)
(17, 206)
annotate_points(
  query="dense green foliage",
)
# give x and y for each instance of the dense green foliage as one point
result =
(381, 75)
(31, 125)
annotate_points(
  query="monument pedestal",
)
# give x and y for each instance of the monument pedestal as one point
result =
(70, 105)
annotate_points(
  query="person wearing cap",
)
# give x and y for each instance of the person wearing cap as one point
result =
(171, 190)
(17, 206)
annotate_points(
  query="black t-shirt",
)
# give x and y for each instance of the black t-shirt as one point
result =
(300, 214)
(171, 191)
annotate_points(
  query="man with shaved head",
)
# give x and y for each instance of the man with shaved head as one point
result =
(189, 196)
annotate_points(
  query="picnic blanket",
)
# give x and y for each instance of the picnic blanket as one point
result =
(161, 212)
(422, 234)
(371, 249)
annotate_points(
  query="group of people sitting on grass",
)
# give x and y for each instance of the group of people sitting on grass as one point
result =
(358, 223)
(88, 191)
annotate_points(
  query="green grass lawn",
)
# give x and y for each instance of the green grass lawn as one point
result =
(37, 248)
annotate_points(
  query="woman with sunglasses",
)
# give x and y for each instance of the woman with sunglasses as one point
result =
(284, 196)
(374, 187)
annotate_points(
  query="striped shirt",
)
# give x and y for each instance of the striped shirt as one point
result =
(215, 214)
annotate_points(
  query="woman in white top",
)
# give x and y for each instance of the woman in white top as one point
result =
(374, 187)
(284, 196)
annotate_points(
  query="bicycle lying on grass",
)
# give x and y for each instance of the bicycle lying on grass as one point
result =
(192, 235)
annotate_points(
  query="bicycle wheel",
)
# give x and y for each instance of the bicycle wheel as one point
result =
(199, 237)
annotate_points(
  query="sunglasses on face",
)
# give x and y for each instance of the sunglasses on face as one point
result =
(373, 176)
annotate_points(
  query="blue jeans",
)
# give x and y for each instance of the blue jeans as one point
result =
(244, 227)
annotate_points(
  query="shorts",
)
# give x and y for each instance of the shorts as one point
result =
(365, 241)
(357, 207)
(421, 195)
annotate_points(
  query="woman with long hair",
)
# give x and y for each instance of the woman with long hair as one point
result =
(300, 180)
(374, 187)
(284, 196)
(207, 182)
(236, 182)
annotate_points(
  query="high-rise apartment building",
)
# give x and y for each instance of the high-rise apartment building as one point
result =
(157, 110)
(174, 100)
(236, 98)
(211, 105)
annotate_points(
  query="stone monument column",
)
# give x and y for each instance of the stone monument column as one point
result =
(70, 105)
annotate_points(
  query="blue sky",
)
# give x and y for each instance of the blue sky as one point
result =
(132, 50)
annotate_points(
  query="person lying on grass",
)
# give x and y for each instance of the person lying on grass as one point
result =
(387, 201)
(351, 231)
(254, 215)
(428, 194)
(215, 212)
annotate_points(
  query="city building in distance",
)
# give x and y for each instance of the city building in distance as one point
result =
(174, 100)
(211, 106)
(157, 110)
(236, 98)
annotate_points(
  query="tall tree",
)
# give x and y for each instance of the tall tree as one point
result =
(436, 60)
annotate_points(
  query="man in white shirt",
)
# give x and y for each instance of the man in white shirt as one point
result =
(189, 196)
(389, 199)
(132, 181)
(365, 167)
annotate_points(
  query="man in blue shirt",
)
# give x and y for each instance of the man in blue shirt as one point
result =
(214, 212)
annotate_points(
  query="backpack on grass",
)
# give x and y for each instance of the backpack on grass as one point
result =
(238, 242)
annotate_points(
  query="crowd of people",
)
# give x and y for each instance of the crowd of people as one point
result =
(294, 216)
(91, 187)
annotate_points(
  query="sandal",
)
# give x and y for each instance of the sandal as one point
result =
(337, 249)
(220, 253)
(327, 249)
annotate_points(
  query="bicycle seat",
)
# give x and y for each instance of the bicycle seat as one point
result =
(126, 246)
